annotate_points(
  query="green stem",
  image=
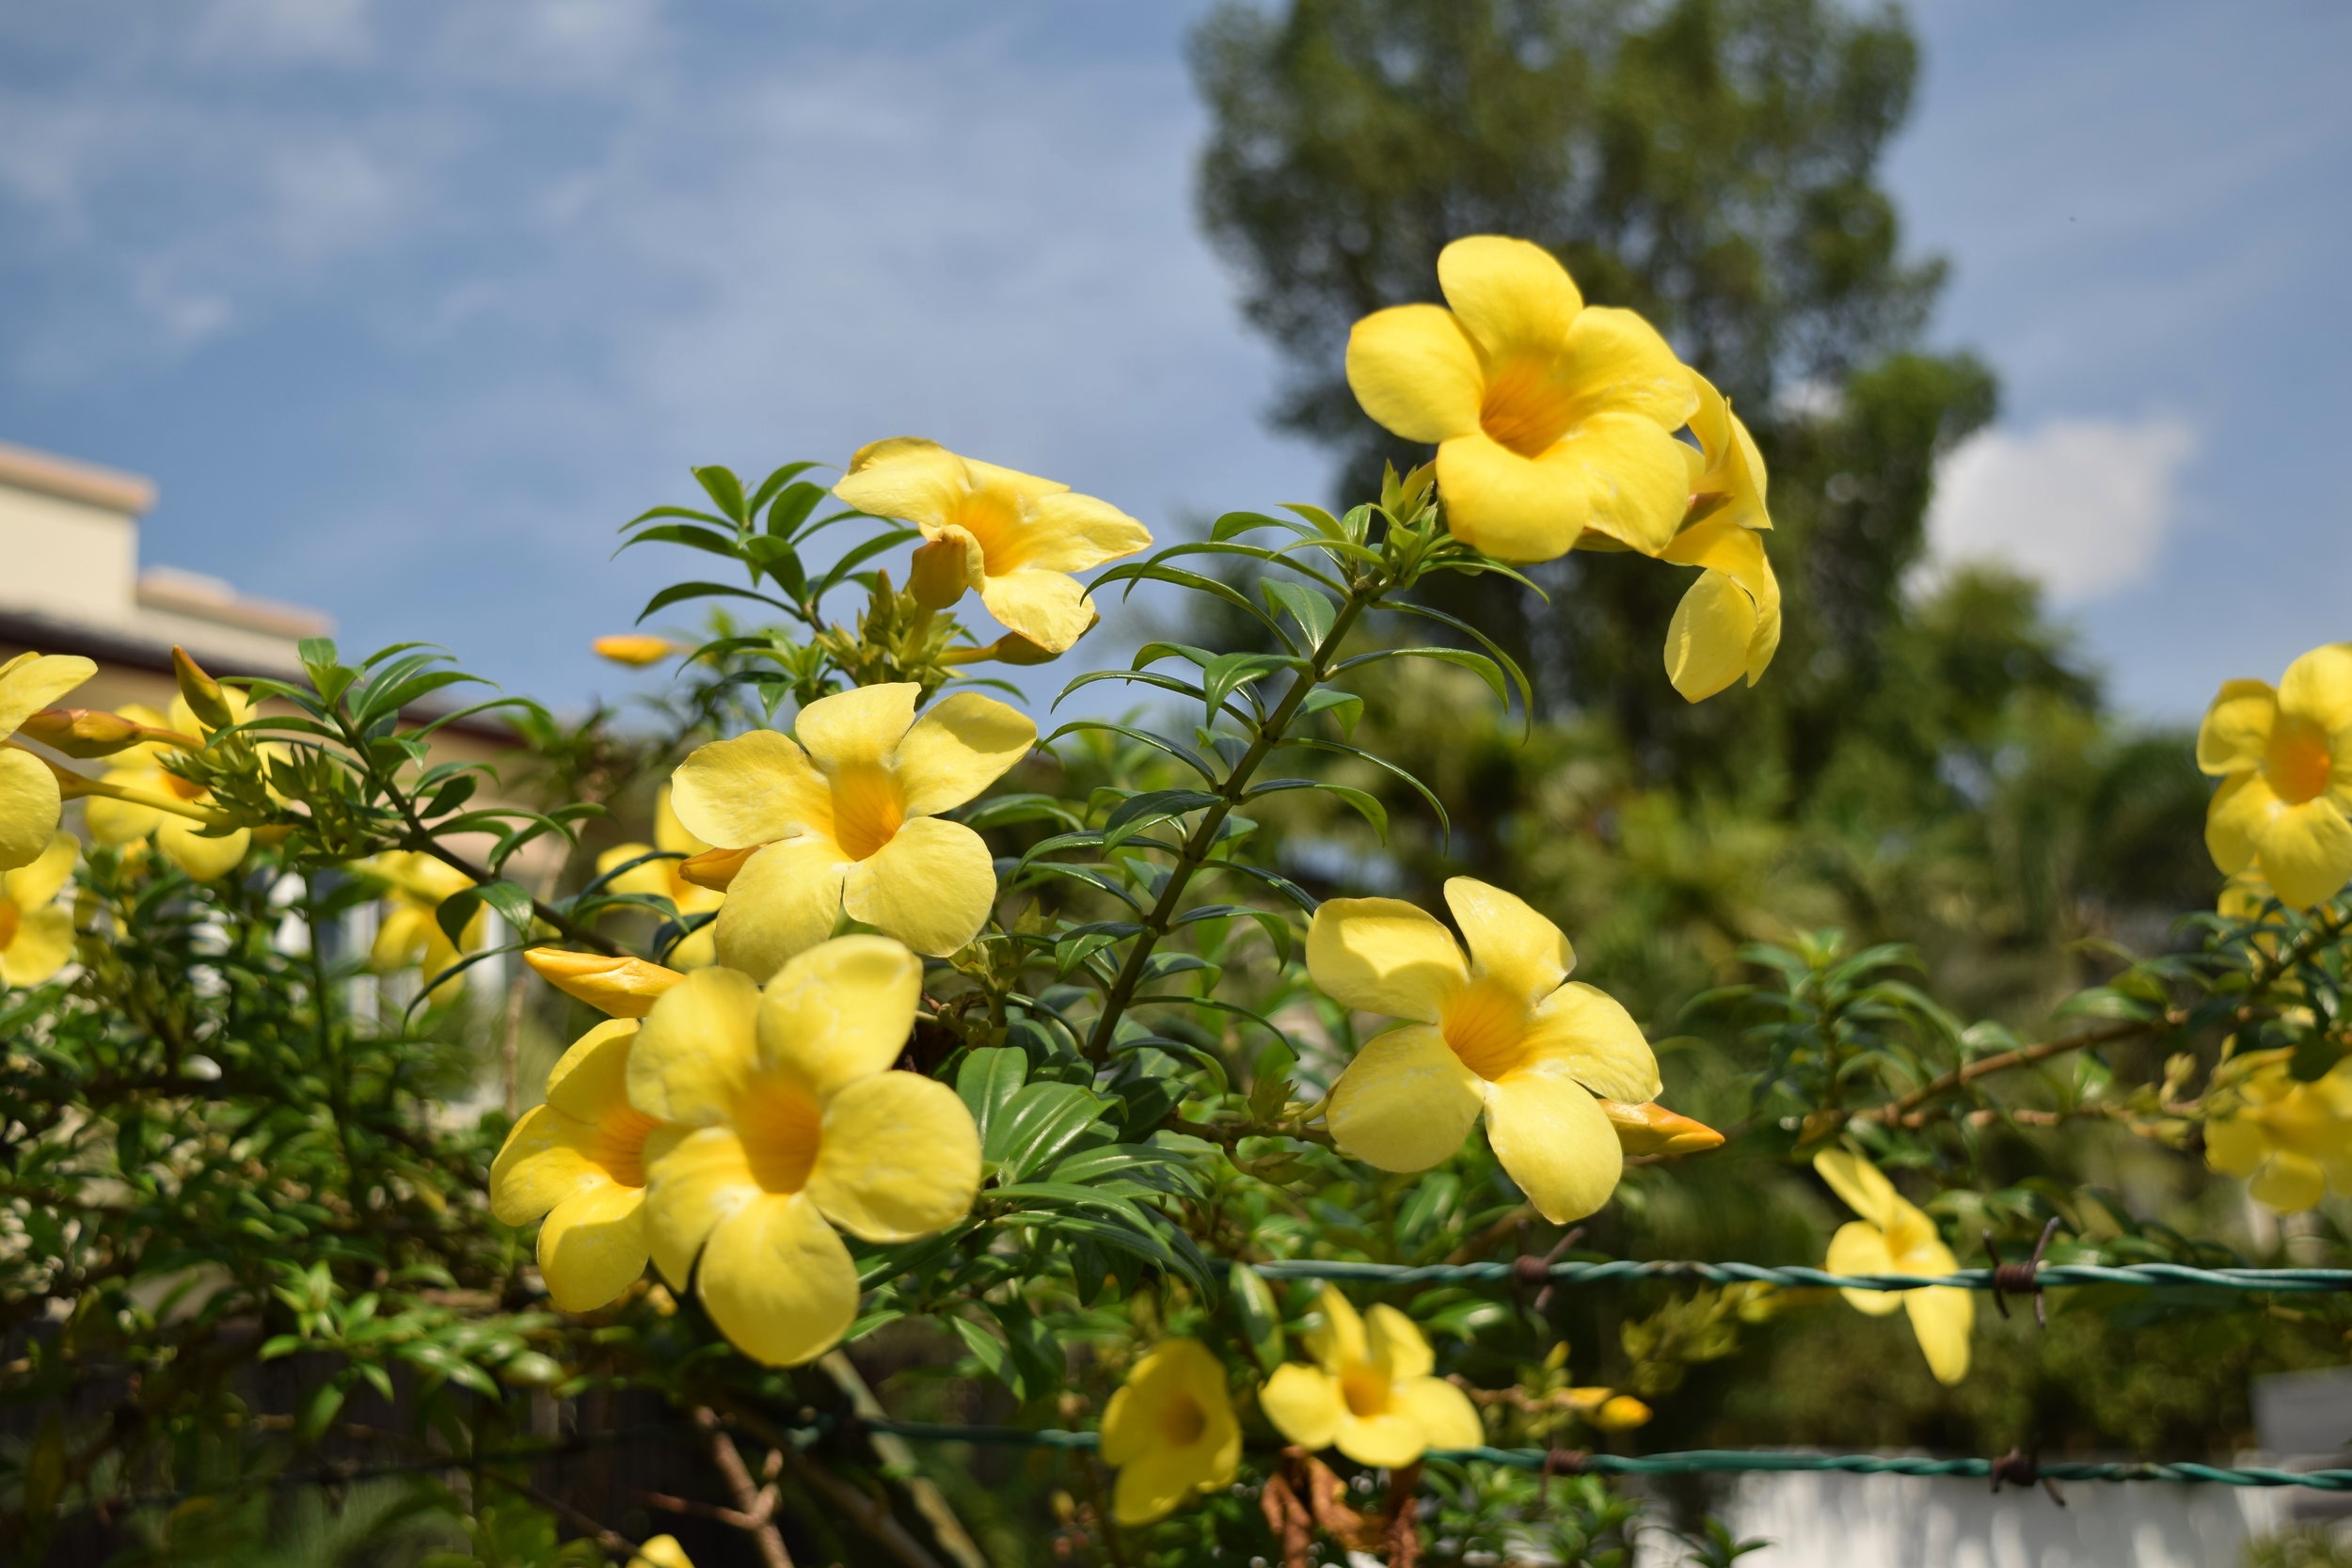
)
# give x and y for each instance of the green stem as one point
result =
(1362, 595)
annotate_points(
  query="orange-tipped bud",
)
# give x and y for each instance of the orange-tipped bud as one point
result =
(636, 649)
(1011, 648)
(1649, 1128)
(715, 868)
(81, 732)
(939, 574)
(622, 987)
(203, 693)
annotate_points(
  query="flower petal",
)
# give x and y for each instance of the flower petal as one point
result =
(1391, 1439)
(1590, 1035)
(753, 789)
(31, 886)
(2289, 1183)
(1513, 508)
(1414, 370)
(1050, 608)
(1860, 1248)
(697, 1049)
(1338, 1340)
(1383, 956)
(2318, 686)
(1445, 1415)
(2306, 852)
(1635, 479)
(2235, 1145)
(1070, 532)
(1861, 1184)
(901, 1158)
(840, 1012)
(1553, 1140)
(1396, 1344)
(906, 477)
(543, 1163)
(785, 900)
(590, 1080)
(2236, 817)
(855, 729)
(961, 746)
(1616, 360)
(1943, 1317)
(1508, 940)
(651, 877)
(694, 1177)
(1304, 1405)
(1406, 1102)
(111, 821)
(593, 1246)
(2236, 733)
(30, 682)
(1513, 296)
(43, 944)
(1155, 1482)
(1707, 640)
(932, 886)
(777, 1281)
(29, 806)
(203, 857)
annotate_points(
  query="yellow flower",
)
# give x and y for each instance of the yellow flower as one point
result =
(2291, 1141)
(1019, 536)
(790, 1121)
(851, 823)
(579, 1159)
(410, 931)
(35, 936)
(1369, 1393)
(1503, 1033)
(1892, 1237)
(1728, 623)
(203, 856)
(1170, 1431)
(618, 987)
(636, 650)
(661, 880)
(1551, 418)
(662, 1551)
(29, 800)
(2284, 758)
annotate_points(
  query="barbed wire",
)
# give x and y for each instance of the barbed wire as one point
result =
(1537, 1272)
(1725, 1461)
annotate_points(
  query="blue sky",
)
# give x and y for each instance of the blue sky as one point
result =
(407, 306)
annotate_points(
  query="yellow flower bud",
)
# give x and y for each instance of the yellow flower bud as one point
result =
(715, 869)
(939, 574)
(1011, 648)
(636, 650)
(1622, 1413)
(1649, 1128)
(203, 693)
(620, 988)
(80, 732)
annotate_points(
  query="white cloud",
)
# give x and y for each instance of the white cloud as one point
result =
(2084, 505)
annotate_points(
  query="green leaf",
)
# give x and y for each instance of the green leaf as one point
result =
(1344, 707)
(725, 492)
(1484, 668)
(792, 507)
(773, 483)
(1132, 815)
(318, 1411)
(1229, 673)
(1313, 612)
(988, 1080)
(1041, 1121)
(677, 593)
(1261, 1315)
(691, 536)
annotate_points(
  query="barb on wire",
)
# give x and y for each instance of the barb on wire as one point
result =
(2021, 1280)
(2301, 1280)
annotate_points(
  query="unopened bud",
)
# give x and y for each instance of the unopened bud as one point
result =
(620, 988)
(80, 732)
(1011, 648)
(1649, 1128)
(1621, 1414)
(939, 574)
(715, 869)
(203, 693)
(635, 650)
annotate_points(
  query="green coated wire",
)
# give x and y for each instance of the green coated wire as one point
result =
(1758, 1274)
(1721, 1461)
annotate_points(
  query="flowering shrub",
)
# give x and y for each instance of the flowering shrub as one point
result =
(1009, 1055)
